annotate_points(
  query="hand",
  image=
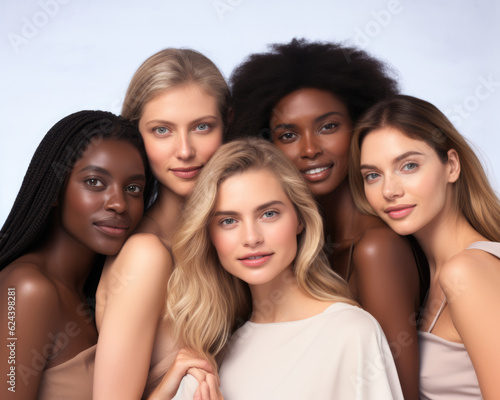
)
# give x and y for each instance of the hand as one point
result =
(185, 362)
(208, 389)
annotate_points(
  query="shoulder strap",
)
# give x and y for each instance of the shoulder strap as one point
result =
(437, 315)
(489, 247)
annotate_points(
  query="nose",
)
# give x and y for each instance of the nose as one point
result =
(185, 149)
(116, 201)
(310, 147)
(392, 187)
(252, 235)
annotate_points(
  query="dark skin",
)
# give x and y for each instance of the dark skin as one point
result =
(100, 206)
(313, 128)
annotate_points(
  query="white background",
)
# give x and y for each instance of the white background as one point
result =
(62, 56)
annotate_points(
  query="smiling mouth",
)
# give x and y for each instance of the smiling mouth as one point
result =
(317, 174)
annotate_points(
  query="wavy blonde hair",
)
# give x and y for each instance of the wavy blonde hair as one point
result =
(205, 303)
(171, 68)
(420, 120)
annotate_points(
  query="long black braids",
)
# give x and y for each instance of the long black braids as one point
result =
(45, 178)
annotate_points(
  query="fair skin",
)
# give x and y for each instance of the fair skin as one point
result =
(100, 206)
(313, 128)
(255, 236)
(181, 128)
(411, 189)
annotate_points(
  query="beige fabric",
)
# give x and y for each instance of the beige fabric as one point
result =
(71, 380)
(338, 354)
(446, 371)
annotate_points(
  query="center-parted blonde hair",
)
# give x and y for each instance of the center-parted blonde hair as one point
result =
(205, 303)
(170, 68)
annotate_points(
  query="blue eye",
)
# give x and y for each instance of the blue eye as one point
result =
(203, 127)
(370, 177)
(161, 130)
(228, 221)
(410, 166)
(270, 214)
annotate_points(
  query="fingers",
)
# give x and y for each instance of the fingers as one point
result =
(199, 374)
(186, 360)
(208, 390)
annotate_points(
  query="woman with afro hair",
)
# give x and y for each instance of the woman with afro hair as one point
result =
(306, 97)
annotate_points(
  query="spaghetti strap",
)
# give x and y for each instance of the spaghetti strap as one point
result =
(437, 315)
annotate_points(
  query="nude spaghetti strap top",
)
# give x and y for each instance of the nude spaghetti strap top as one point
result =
(446, 371)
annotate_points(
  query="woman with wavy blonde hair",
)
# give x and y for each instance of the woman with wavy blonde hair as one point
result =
(179, 100)
(411, 167)
(249, 252)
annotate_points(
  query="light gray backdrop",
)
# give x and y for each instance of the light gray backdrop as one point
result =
(62, 56)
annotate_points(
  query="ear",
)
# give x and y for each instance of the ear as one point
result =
(300, 228)
(453, 166)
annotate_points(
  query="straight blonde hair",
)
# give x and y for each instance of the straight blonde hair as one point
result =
(205, 303)
(420, 120)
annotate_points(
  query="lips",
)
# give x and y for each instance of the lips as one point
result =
(112, 227)
(255, 259)
(399, 211)
(186, 173)
(316, 173)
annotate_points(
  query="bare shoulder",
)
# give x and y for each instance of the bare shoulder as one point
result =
(143, 262)
(469, 271)
(381, 246)
(33, 288)
(143, 250)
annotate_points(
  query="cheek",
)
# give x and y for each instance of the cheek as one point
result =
(207, 145)
(337, 144)
(291, 150)
(221, 241)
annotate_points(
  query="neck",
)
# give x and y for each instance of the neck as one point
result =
(342, 220)
(65, 260)
(447, 235)
(165, 212)
(281, 300)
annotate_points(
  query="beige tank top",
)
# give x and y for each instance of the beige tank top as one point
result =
(446, 371)
(71, 380)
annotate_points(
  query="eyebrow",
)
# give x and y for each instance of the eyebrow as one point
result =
(395, 161)
(316, 120)
(163, 121)
(95, 168)
(259, 208)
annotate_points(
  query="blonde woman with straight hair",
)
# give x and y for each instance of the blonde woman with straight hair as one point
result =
(179, 100)
(411, 167)
(253, 288)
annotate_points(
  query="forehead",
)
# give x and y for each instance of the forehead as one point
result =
(181, 99)
(250, 189)
(120, 154)
(309, 101)
(388, 143)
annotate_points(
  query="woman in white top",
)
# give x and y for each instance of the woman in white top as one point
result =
(412, 168)
(249, 255)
